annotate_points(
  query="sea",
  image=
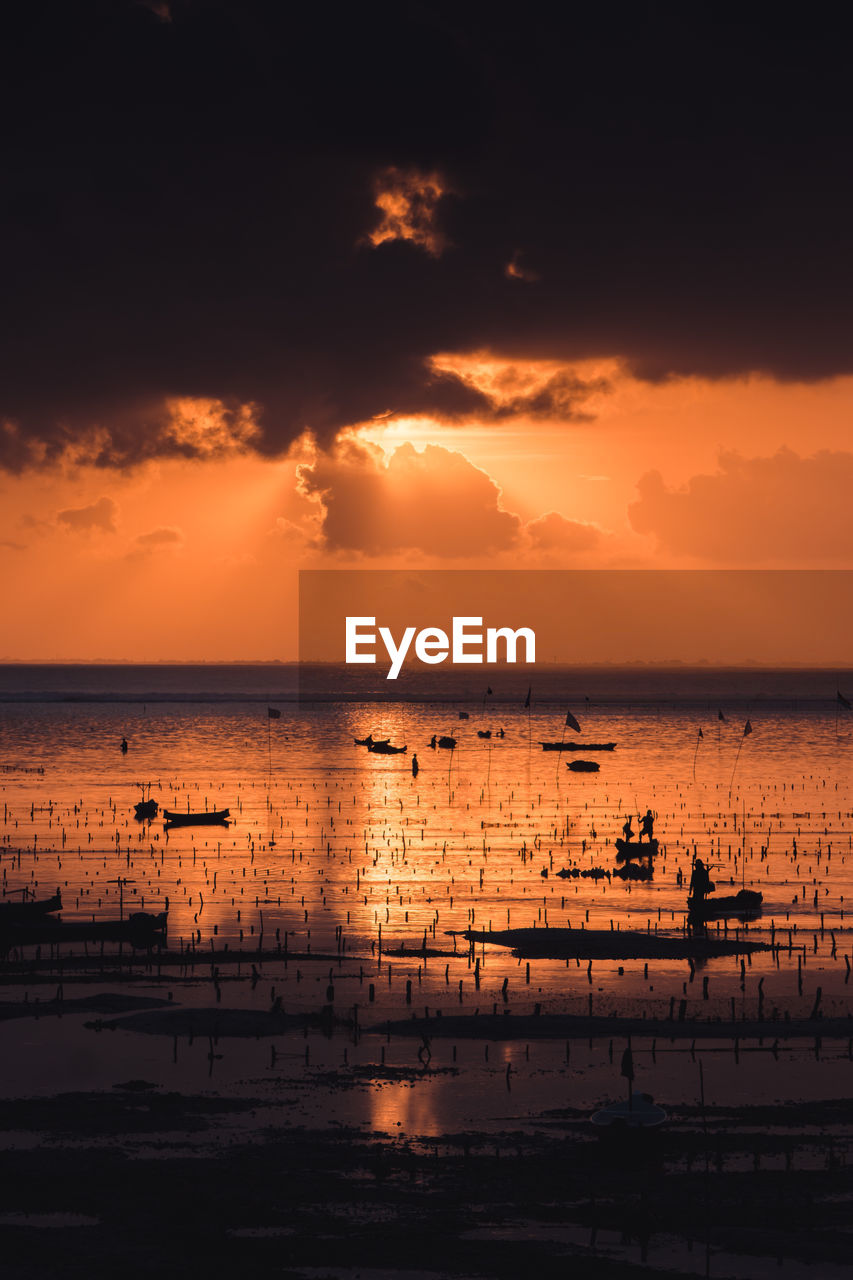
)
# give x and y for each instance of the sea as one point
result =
(335, 852)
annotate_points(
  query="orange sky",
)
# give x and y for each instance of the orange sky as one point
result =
(186, 560)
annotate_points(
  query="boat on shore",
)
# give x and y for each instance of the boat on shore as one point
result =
(577, 746)
(637, 1112)
(29, 909)
(210, 817)
(583, 766)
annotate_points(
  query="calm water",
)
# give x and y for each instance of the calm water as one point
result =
(331, 845)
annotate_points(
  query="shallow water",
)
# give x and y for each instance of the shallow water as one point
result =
(342, 852)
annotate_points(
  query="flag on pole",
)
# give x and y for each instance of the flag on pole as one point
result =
(488, 690)
(701, 734)
(747, 729)
(571, 722)
(720, 716)
(627, 1069)
(273, 713)
(527, 699)
(844, 702)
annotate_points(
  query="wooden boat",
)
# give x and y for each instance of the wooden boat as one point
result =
(29, 909)
(640, 1113)
(369, 741)
(447, 742)
(385, 749)
(141, 929)
(210, 817)
(745, 904)
(484, 733)
(583, 766)
(463, 715)
(577, 746)
(145, 809)
(628, 849)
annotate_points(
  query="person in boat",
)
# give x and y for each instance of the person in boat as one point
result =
(628, 830)
(433, 741)
(700, 882)
(124, 746)
(647, 826)
(500, 733)
(415, 766)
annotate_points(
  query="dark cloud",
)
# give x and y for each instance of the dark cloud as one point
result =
(189, 195)
(754, 510)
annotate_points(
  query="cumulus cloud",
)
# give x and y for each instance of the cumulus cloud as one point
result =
(98, 515)
(783, 507)
(553, 532)
(435, 501)
(165, 536)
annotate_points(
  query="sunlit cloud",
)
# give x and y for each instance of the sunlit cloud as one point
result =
(207, 427)
(532, 389)
(408, 202)
(783, 508)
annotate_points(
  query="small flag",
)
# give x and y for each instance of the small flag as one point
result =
(845, 702)
(720, 716)
(701, 734)
(527, 699)
(273, 713)
(488, 691)
(627, 1069)
(571, 722)
(747, 729)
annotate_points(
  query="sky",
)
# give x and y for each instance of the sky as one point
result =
(424, 285)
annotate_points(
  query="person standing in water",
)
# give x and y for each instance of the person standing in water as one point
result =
(415, 766)
(124, 746)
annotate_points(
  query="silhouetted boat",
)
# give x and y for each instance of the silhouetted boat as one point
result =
(627, 849)
(463, 715)
(369, 741)
(142, 929)
(745, 903)
(29, 909)
(447, 742)
(583, 766)
(484, 733)
(145, 809)
(385, 749)
(577, 746)
(210, 817)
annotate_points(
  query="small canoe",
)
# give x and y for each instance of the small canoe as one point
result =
(627, 849)
(447, 742)
(583, 766)
(29, 909)
(369, 741)
(463, 715)
(210, 817)
(746, 903)
(577, 746)
(484, 733)
(385, 749)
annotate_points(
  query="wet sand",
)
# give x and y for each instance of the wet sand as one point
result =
(140, 1181)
